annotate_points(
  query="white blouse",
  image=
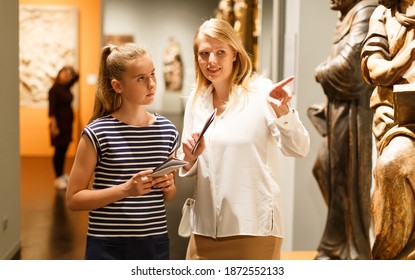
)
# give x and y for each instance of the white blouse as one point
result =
(237, 173)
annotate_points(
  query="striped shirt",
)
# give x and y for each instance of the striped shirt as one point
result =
(122, 151)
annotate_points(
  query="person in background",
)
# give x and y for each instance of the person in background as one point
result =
(61, 120)
(237, 210)
(118, 150)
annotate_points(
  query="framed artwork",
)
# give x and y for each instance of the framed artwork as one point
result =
(48, 40)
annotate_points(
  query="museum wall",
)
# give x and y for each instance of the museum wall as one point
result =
(34, 140)
(9, 148)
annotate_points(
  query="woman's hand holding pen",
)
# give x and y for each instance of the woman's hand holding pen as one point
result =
(279, 97)
(188, 144)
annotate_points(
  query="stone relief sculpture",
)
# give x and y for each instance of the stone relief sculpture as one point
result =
(388, 63)
(173, 66)
(47, 41)
(343, 164)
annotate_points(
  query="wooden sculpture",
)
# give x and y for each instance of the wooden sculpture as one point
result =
(388, 63)
(343, 165)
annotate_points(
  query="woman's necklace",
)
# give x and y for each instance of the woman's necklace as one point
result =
(219, 103)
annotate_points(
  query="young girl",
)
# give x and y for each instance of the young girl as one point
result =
(118, 150)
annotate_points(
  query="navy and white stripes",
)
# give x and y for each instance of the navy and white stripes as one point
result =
(122, 151)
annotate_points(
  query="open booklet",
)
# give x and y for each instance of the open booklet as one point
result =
(209, 121)
(168, 166)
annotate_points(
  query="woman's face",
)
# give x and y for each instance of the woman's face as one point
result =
(138, 83)
(215, 60)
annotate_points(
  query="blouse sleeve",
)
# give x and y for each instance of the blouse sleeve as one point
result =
(187, 130)
(292, 137)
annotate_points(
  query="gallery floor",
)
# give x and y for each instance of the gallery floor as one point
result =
(49, 231)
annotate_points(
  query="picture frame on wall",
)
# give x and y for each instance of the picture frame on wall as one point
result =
(48, 40)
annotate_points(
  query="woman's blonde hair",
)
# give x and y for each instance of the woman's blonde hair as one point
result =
(221, 30)
(114, 61)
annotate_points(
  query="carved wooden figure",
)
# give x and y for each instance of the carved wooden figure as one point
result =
(343, 165)
(388, 63)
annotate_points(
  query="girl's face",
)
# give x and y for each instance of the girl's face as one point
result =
(138, 83)
(215, 60)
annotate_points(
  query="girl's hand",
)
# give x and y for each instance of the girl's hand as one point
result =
(166, 182)
(140, 183)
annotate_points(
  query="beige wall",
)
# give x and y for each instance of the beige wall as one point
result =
(310, 26)
(9, 141)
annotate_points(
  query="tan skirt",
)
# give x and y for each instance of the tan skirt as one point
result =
(234, 248)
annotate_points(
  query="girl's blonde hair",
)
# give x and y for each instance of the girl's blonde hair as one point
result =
(114, 61)
(221, 30)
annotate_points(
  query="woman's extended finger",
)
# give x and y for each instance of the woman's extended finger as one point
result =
(284, 82)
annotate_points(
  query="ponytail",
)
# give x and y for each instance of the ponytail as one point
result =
(113, 63)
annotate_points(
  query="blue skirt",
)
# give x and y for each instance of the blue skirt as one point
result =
(128, 248)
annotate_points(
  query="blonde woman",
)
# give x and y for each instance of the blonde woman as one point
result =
(237, 213)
